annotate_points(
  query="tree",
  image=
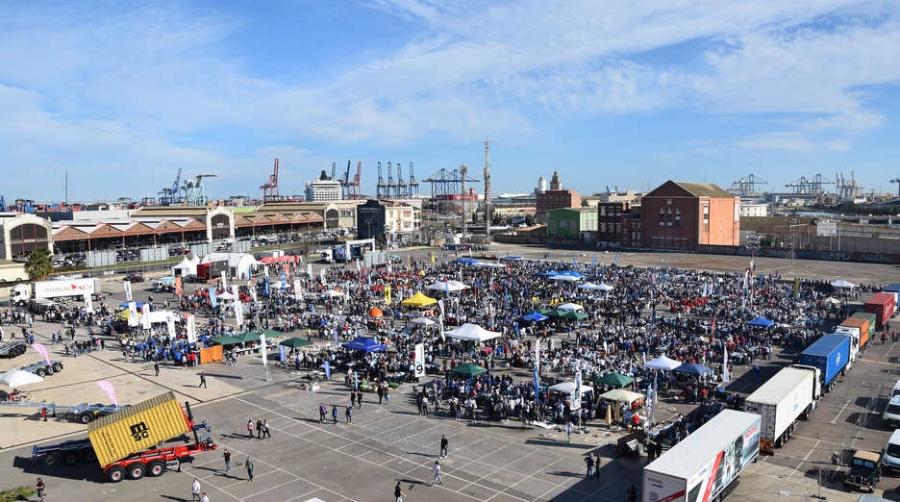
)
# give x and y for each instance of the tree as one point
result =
(40, 264)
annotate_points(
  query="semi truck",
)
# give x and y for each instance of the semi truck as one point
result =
(831, 354)
(708, 463)
(57, 288)
(786, 397)
(132, 441)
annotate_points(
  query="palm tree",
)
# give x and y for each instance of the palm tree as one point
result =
(40, 264)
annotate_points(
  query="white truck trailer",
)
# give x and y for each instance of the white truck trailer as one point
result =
(789, 395)
(707, 464)
(57, 288)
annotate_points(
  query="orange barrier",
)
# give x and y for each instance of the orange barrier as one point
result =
(211, 354)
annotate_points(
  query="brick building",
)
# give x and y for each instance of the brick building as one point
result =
(618, 225)
(555, 198)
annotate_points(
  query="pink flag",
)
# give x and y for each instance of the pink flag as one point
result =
(42, 351)
(107, 387)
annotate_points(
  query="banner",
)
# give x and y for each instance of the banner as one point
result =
(264, 349)
(252, 288)
(267, 291)
(170, 325)
(224, 281)
(309, 270)
(42, 351)
(238, 312)
(287, 271)
(327, 370)
(145, 316)
(132, 314)
(127, 286)
(726, 377)
(298, 289)
(576, 394)
(88, 304)
(110, 391)
(322, 277)
(191, 323)
(419, 362)
(537, 386)
(387, 294)
(179, 289)
(797, 288)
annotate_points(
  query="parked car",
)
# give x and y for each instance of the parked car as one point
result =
(134, 277)
(43, 369)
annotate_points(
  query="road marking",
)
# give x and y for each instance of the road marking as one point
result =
(847, 403)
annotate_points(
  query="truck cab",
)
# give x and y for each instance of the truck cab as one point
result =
(865, 471)
(891, 414)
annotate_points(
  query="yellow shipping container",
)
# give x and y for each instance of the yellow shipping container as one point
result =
(138, 428)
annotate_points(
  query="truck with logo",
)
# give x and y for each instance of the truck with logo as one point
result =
(55, 289)
(780, 402)
(707, 465)
(132, 442)
(831, 354)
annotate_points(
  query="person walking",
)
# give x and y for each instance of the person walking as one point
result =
(227, 456)
(40, 487)
(250, 429)
(248, 464)
(258, 428)
(265, 429)
(359, 396)
(348, 415)
(437, 473)
(204, 498)
(597, 464)
(323, 411)
(589, 462)
(156, 367)
(445, 446)
(569, 430)
(398, 493)
(202, 380)
(334, 413)
(195, 490)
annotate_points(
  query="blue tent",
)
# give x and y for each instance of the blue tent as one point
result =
(512, 258)
(551, 273)
(364, 344)
(535, 316)
(466, 261)
(761, 322)
(693, 369)
(571, 273)
(139, 305)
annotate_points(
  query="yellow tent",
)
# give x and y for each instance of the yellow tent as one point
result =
(418, 300)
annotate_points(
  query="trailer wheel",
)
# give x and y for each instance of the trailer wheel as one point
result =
(85, 418)
(115, 474)
(50, 460)
(57, 367)
(156, 468)
(41, 372)
(70, 458)
(49, 370)
(136, 471)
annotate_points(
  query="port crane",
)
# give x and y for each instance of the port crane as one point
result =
(381, 188)
(401, 183)
(413, 184)
(195, 191)
(270, 188)
(746, 186)
(172, 194)
(897, 181)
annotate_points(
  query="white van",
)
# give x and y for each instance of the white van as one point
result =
(891, 415)
(890, 459)
(896, 390)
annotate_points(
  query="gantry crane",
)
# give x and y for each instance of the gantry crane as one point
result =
(401, 183)
(194, 191)
(351, 187)
(391, 186)
(381, 188)
(897, 181)
(413, 184)
(746, 186)
(171, 195)
(270, 188)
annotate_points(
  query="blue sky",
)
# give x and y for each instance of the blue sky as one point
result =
(615, 93)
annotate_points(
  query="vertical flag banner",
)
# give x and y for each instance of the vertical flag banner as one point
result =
(266, 286)
(191, 322)
(224, 281)
(252, 288)
(387, 294)
(419, 363)
(179, 290)
(616, 261)
(145, 316)
(283, 279)
(127, 286)
(281, 356)
(322, 277)
(287, 270)
(110, 391)
(264, 349)
(212, 298)
(576, 394)
(132, 314)
(726, 377)
(170, 325)
(266, 270)
(537, 386)
(88, 304)
(238, 312)
(797, 288)
(309, 269)
(327, 370)
(298, 289)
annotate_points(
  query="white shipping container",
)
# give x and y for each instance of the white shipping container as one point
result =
(780, 402)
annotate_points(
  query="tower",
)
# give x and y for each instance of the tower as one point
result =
(487, 190)
(542, 184)
(555, 184)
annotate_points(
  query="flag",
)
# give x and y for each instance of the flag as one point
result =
(358, 267)
(574, 259)
(298, 289)
(797, 287)
(537, 385)
(178, 286)
(263, 349)
(170, 325)
(447, 287)
(576, 394)
(286, 271)
(594, 261)
(712, 327)
(42, 351)
(752, 257)
(387, 294)
(212, 298)
(432, 257)
(327, 370)
(191, 323)
(267, 286)
(283, 280)
(238, 312)
(309, 269)
(224, 281)
(88, 305)
(419, 362)
(110, 391)
(335, 333)
(127, 286)
(132, 314)
(356, 380)
(725, 376)
(145, 320)
(322, 277)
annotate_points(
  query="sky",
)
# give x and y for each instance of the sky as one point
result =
(613, 95)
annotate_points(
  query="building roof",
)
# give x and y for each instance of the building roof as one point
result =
(576, 209)
(705, 190)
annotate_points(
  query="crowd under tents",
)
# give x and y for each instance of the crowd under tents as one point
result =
(472, 333)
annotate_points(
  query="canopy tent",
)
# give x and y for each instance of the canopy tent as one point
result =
(568, 387)
(595, 287)
(423, 321)
(240, 262)
(249, 337)
(18, 378)
(418, 300)
(842, 284)
(466, 261)
(615, 379)
(622, 396)
(485, 264)
(185, 268)
(570, 307)
(549, 273)
(227, 340)
(534, 316)
(564, 278)
(693, 369)
(296, 343)
(469, 369)
(512, 258)
(332, 293)
(139, 305)
(572, 273)
(663, 363)
(578, 316)
(472, 333)
(760, 322)
(364, 344)
(447, 286)
(376, 312)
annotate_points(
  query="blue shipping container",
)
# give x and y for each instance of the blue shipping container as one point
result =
(830, 354)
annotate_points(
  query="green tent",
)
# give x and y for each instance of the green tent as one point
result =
(468, 369)
(615, 379)
(295, 343)
(578, 316)
(271, 333)
(227, 340)
(249, 337)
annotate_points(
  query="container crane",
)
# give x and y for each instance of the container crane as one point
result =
(413, 184)
(355, 192)
(171, 195)
(391, 186)
(402, 187)
(381, 188)
(194, 191)
(270, 188)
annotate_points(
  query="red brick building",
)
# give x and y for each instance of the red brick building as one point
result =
(619, 225)
(684, 216)
(555, 198)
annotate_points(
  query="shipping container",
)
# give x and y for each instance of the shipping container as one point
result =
(882, 305)
(831, 354)
(789, 395)
(707, 464)
(869, 317)
(895, 290)
(865, 330)
(138, 428)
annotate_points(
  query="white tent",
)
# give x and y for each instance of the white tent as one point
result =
(566, 278)
(424, 321)
(569, 387)
(595, 287)
(622, 395)
(842, 284)
(186, 267)
(472, 333)
(662, 362)
(240, 262)
(570, 307)
(444, 286)
(485, 264)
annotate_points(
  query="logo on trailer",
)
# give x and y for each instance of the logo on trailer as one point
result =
(140, 431)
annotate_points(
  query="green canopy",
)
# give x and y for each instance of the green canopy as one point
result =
(615, 379)
(549, 312)
(469, 369)
(271, 333)
(295, 343)
(227, 340)
(578, 316)
(249, 337)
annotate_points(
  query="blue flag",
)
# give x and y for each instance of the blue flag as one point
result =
(537, 386)
(616, 261)
(281, 353)
(266, 291)
(212, 297)
(283, 281)
(356, 380)
(327, 370)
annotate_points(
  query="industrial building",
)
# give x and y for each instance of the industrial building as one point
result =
(555, 198)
